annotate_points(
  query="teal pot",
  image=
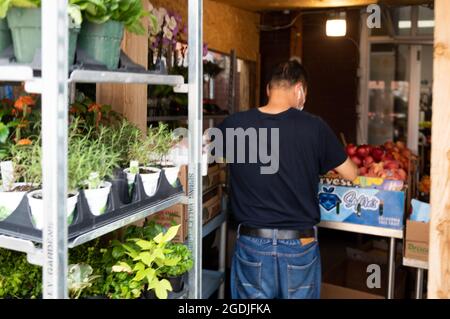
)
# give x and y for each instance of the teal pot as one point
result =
(5, 35)
(25, 25)
(101, 42)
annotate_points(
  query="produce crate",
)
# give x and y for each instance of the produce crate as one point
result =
(212, 204)
(364, 206)
(210, 180)
(178, 214)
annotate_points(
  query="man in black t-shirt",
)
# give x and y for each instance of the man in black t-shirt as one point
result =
(276, 154)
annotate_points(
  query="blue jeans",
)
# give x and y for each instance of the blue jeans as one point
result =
(265, 268)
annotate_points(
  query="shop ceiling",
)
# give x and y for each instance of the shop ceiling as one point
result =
(265, 5)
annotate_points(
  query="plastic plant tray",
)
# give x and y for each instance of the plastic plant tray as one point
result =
(120, 205)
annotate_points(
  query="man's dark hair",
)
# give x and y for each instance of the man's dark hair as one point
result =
(288, 74)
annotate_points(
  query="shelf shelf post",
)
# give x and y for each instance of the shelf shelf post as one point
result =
(54, 146)
(195, 122)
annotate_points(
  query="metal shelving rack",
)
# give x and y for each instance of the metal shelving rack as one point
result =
(53, 85)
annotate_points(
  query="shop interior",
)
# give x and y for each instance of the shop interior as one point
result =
(370, 66)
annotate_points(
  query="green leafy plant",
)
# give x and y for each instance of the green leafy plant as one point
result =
(86, 155)
(99, 258)
(129, 12)
(160, 140)
(144, 259)
(138, 148)
(89, 155)
(91, 114)
(79, 278)
(27, 162)
(184, 264)
(73, 10)
(18, 278)
(121, 137)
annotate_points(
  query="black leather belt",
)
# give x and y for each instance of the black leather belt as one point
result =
(285, 234)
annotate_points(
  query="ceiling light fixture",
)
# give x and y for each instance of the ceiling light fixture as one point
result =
(337, 25)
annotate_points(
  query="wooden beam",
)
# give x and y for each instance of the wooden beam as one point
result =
(439, 256)
(260, 5)
(129, 99)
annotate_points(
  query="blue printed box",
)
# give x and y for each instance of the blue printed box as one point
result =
(364, 206)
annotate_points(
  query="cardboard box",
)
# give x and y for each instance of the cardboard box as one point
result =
(208, 181)
(212, 204)
(365, 182)
(351, 273)
(417, 240)
(364, 206)
(176, 214)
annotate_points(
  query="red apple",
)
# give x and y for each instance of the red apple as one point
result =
(387, 157)
(363, 171)
(401, 145)
(391, 165)
(350, 149)
(406, 153)
(363, 151)
(403, 175)
(356, 160)
(368, 161)
(377, 154)
(389, 145)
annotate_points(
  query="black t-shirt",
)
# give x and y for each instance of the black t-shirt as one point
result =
(286, 199)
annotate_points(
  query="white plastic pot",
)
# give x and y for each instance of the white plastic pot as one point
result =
(150, 181)
(98, 198)
(9, 201)
(171, 172)
(37, 208)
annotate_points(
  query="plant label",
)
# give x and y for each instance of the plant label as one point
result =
(7, 174)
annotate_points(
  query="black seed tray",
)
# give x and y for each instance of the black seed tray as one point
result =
(120, 205)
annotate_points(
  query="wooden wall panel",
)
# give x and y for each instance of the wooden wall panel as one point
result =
(225, 27)
(259, 5)
(332, 66)
(129, 99)
(439, 258)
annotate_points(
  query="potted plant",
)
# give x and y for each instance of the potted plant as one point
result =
(165, 30)
(175, 274)
(24, 21)
(27, 160)
(79, 279)
(90, 163)
(138, 157)
(160, 140)
(16, 131)
(102, 31)
(5, 34)
(144, 259)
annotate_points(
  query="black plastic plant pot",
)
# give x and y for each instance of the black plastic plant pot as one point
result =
(148, 294)
(176, 282)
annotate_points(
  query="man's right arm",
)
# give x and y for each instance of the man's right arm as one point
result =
(348, 170)
(333, 155)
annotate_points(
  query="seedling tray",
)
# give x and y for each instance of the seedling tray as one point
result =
(120, 205)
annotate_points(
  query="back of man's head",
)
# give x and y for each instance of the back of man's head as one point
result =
(287, 74)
